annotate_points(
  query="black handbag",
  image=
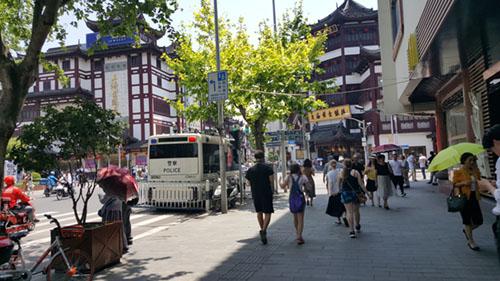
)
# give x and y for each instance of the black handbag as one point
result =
(456, 203)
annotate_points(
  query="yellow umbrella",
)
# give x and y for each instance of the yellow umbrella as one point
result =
(450, 156)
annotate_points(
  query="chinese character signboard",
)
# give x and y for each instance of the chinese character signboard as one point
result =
(332, 113)
(217, 86)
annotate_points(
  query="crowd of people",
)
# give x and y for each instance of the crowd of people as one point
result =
(350, 183)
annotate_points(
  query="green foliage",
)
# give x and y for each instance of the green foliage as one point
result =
(26, 25)
(35, 176)
(12, 142)
(294, 26)
(71, 134)
(272, 156)
(254, 72)
(17, 17)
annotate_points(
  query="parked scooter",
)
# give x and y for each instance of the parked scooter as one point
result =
(233, 191)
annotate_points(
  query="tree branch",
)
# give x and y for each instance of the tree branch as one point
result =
(45, 16)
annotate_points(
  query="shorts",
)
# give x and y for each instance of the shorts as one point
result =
(348, 197)
(263, 204)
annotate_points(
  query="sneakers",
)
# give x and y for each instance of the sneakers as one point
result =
(263, 236)
(358, 228)
(352, 234)
(403, 194)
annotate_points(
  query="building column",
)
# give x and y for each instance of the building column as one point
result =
(468, 106)
(441, 139)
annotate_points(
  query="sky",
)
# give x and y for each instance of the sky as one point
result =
(253, 11)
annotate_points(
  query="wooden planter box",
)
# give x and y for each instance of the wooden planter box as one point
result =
(103, 243)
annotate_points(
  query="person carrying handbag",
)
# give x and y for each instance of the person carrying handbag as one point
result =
(352, 194)
(466, 181)
(296, 182)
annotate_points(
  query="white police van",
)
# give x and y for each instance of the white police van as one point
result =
(184, 172)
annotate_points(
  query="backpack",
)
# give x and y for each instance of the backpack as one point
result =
(296, 199)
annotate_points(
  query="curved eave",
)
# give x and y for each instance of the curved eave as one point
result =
(338, 19)
(66, 92)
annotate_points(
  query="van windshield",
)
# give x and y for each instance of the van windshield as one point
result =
(178, 150)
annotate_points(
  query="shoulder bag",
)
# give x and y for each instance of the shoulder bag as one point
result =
(456, 203)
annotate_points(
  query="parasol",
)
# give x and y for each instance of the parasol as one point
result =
(450, 156)
(117, 181)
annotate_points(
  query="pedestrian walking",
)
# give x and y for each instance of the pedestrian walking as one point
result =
(412, 166)
(465, 181)
(310, 189)
(261, 178)
(384, 186)
(405, 171)
(326, 169)
(335, 206)
(397, 173)
(433, 179)
(296, 182)
(422, 162)
(352, 193)
(491, 141)
(356, 163)
(371, 178)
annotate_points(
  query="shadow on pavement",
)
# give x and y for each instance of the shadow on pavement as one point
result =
(135, 271)
(415, 240)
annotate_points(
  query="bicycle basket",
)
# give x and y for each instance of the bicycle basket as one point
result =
(73, 231)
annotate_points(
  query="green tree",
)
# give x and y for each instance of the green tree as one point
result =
(26, 25)
(259, 76)
(69, 136)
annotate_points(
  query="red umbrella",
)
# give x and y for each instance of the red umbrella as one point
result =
(118, 181)
(385, 148)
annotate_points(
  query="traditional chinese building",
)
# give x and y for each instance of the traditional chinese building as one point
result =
(444, 56)
(133, 81)
(352, 72)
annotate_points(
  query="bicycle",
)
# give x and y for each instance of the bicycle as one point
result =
(63, 264)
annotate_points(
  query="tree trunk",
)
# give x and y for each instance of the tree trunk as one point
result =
(258, 133)
(12, 95)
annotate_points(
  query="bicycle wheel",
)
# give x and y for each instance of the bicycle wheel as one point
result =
(82, 267)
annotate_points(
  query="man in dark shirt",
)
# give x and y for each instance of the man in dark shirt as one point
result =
(261, 180)
(357, 165)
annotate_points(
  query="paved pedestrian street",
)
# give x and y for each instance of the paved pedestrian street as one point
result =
(416, 240)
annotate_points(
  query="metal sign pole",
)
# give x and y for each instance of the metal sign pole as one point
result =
(281, 126)
(220, 111)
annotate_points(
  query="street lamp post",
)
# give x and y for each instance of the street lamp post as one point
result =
(281, 126)
(363, 126)
(220, 111)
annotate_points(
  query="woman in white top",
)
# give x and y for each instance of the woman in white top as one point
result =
(335, 207)
(296, 176)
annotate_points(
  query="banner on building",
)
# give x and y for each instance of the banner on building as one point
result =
(332, 113)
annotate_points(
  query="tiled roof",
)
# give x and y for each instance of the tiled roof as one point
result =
(349, 10)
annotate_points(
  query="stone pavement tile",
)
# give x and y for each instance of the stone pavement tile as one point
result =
(416, 240)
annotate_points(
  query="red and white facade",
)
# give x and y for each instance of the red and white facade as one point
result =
(134, 82)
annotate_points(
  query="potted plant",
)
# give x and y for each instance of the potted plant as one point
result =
(63, 140)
